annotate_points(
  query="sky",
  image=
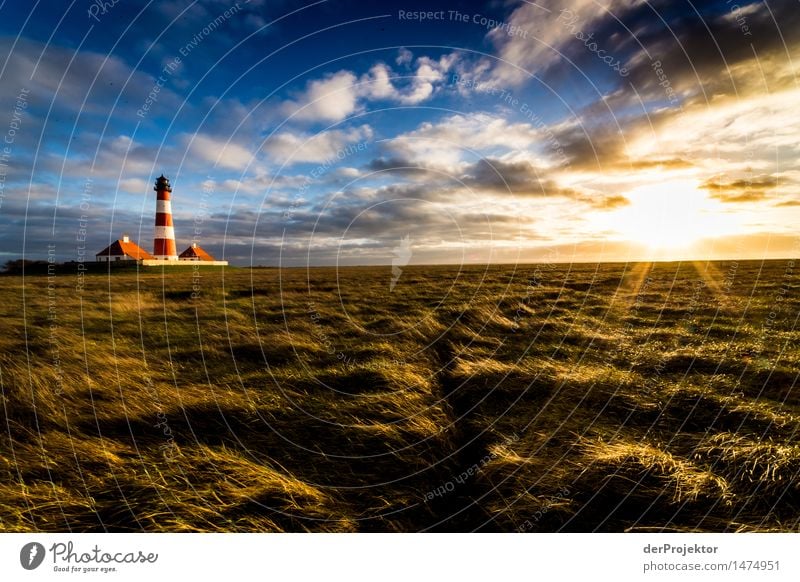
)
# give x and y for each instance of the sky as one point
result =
(354, 133)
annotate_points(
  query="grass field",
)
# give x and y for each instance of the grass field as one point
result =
(587, 397)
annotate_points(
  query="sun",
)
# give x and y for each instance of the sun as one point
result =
(671, 215)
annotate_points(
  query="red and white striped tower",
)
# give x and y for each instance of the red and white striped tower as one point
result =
(164, 244)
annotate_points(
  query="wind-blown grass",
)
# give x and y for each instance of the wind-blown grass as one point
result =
(502, 398)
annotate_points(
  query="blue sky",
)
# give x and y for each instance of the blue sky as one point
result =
(328, 132)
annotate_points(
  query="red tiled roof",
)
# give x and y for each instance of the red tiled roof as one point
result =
(195, 251)
(121, 248)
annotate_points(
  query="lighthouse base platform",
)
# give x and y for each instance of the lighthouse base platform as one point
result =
(181, 263)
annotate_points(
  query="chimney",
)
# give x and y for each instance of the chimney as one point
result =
(164, 244)
(125, 238)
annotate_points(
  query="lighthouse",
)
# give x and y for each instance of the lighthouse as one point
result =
(164, 244)
(165, 253)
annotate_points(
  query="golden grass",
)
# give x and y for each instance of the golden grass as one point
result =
(637, 461)
(320, 401)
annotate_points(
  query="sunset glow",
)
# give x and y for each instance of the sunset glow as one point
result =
(669, 216)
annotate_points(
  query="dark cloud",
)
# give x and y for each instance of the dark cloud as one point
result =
(491, 218)
(600, 143)
(761, 182)
(698, 53)
(755, 189)
(606, 202)
(396, 165)
(665, 163)
(516, 178)
(701, 54)
(730, 197)
(592, 147)
(501, 176)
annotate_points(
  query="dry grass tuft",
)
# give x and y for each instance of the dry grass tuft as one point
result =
(641, 462)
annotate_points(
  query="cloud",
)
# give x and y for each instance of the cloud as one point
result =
(115, 157)
(507, 177)
(606, 202)
(75, 81)
(218, 151)
(339, 95)
(70, 95)
(291, 148)
(710, 55)
(404, 57)
(658, 164)
(444, 143)
(590, 146)
(544, 32)
(330, 99)
(257, 184)
(523, 179)
(478, 170)
(428, 76)
(729, 134)
(374, 220)
(135, 186)
(377, 84)
(399, 166)
(747, 130)
(705, 51)
(751, 189)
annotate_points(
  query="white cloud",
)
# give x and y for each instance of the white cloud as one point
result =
(428, 76)
(745, 131)
(377, 83)
(294, 148)
(219, 152)
(330, 99)
(348, 172)
(341, 94)
(453, 139)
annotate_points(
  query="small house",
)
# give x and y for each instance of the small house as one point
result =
(122, 250)
(195, 253)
